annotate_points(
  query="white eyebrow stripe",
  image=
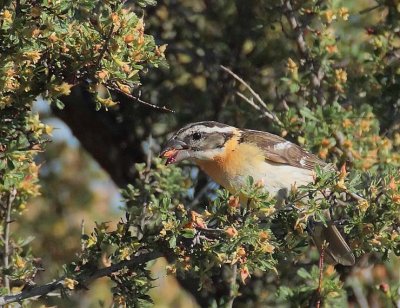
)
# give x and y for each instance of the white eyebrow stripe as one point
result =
(216, 129)
(282, 145)
(206, 129)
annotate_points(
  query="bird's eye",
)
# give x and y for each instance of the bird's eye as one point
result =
(196, 136)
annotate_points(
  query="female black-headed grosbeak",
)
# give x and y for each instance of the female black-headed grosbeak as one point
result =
(230, 155)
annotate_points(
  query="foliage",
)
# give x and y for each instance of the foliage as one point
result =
(47, 48)
(227, 243)
(327, 72)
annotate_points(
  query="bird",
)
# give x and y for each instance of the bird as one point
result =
(230, 156)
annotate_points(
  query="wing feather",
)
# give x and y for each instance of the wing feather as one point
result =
(280, 151)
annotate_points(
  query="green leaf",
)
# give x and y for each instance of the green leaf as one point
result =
(304, 274)
(308, 114)
(59, 104)
(172, 242)
(294, 87)
(188, 232)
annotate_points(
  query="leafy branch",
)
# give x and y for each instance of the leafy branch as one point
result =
(82, 279)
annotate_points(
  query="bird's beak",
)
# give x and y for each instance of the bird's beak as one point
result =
(175, 151)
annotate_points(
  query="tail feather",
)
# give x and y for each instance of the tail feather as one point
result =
(337, 250)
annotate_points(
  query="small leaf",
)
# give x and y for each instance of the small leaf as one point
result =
(308, 114)
(59, 104)
(304, 274)
(172, 242)
(188, 233)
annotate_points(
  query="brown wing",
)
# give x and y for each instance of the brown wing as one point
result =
(337, 250)
(281, 151)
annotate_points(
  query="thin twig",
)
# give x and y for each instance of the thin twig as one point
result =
(340, 139)
(105, 46)
(82, 234)
(7, 222)
(295, 26)
(199, 195)
(321, 272)
(82, 279)
(369, 9)
(317, 73)
(203, 237)
(137, 99)
(254, 93)
(149, 153)
(148, 162)
(355, 196)
(266, 111)
(232, 287)
(210, 230)
(359, 295)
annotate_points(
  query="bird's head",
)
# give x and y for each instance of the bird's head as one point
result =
(198, 141)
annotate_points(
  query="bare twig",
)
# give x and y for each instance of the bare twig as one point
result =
(321, 272)
(137, 99)
(149, 153)
(205, 238)
(355, 284)
(251, 103)
(355, 196)
(282, 99)
(268, 113)
(295, 26)
(7, 223)
(199, 195)
(369, 9)
(82, 233)
(82, 279)
(210, 231)
(232, 286)
(148, 164)
(340, 139)
(317, 73)
(254, 93)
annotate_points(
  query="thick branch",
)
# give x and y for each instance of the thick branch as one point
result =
(82, 279)
(233, 287)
